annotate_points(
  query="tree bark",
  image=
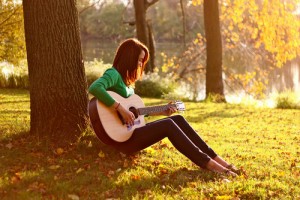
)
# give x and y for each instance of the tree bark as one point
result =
(214, 81)
(58, 97)
(142, 31)
(151, 46)
(140, 18)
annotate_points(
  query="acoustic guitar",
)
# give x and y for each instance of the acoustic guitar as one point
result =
(108, 123)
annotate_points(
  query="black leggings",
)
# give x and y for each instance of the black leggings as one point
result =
(184, 138)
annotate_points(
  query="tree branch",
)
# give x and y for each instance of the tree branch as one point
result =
(183, 22)
(131, 23)
(11, 23)
(148, 4)
(92, 5)
(12, 14)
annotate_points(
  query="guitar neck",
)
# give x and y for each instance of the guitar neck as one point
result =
(153, 109)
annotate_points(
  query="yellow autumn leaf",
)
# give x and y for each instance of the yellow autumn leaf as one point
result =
(101, 154)
(135, 177)
(59, 151)
(53, 167)
(90, 144)
(73, 197)
(79, 170)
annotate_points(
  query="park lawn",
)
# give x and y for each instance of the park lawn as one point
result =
(264, 142)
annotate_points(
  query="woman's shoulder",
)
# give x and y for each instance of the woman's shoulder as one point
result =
(112, 71)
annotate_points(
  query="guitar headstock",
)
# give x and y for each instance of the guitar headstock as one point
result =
(179, 105)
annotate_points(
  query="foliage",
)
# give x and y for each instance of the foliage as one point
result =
(151, 86)
(12, 40)
(14, 77)
(287, 100)
(154, 86)
(253, 24)
(197, 2)
(254, 43)
(111, 20)
(258, 37)
(105, 22)
(166, 19)
(94, 69)
(187, 68)
(17, 77)
(264, 142)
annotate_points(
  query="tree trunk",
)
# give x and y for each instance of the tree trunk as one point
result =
(140, 19)
(58, 97)
(214, 81)
(151, 46)
(142, 32)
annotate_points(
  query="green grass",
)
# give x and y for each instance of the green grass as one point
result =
(265, 142)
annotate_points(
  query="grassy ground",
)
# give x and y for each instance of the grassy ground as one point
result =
(264, 142)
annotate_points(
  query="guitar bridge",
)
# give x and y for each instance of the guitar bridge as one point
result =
(136, 122)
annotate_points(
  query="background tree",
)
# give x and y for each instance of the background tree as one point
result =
(214, 80)
(257, 46)
(143, 29)
(12, 43)
(58, 98)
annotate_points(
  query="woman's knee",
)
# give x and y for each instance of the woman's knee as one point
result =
(169, 122)
(178, 118)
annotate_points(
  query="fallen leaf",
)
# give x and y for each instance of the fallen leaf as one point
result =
(9, 145)
(118, 170)
(135, 177)
(53, 167)
(90, 144)
(101, 154)
(163, 171)
(15, 179)
(59, 151)
(79, 170)
(110, 173)
(125, 164)
(73, 196)
(225, 180)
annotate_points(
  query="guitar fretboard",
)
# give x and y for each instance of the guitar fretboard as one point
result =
(153, 109)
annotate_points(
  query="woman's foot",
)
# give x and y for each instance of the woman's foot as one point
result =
(231, 167)
(214, 166)
(221, 161)
(230, 173)
(234, 169)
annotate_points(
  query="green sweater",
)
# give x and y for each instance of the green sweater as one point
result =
(111, 80)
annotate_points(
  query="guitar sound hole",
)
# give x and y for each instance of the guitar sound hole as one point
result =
(134, 111)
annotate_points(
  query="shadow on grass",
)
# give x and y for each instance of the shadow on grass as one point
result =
(221, 114)
(32, 167)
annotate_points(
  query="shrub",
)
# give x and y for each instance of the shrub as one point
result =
(15, 77)
(154, 86)
(94, 69)
(11, 81)
(3, 81)
(287, 100)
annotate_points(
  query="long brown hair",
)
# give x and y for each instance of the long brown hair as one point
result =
(126, 59)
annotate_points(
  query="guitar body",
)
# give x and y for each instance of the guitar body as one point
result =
(107, 122)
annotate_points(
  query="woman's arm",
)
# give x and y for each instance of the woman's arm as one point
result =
(99, 89)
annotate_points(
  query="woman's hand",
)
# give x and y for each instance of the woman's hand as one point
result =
(170, 110)
(127, 115)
